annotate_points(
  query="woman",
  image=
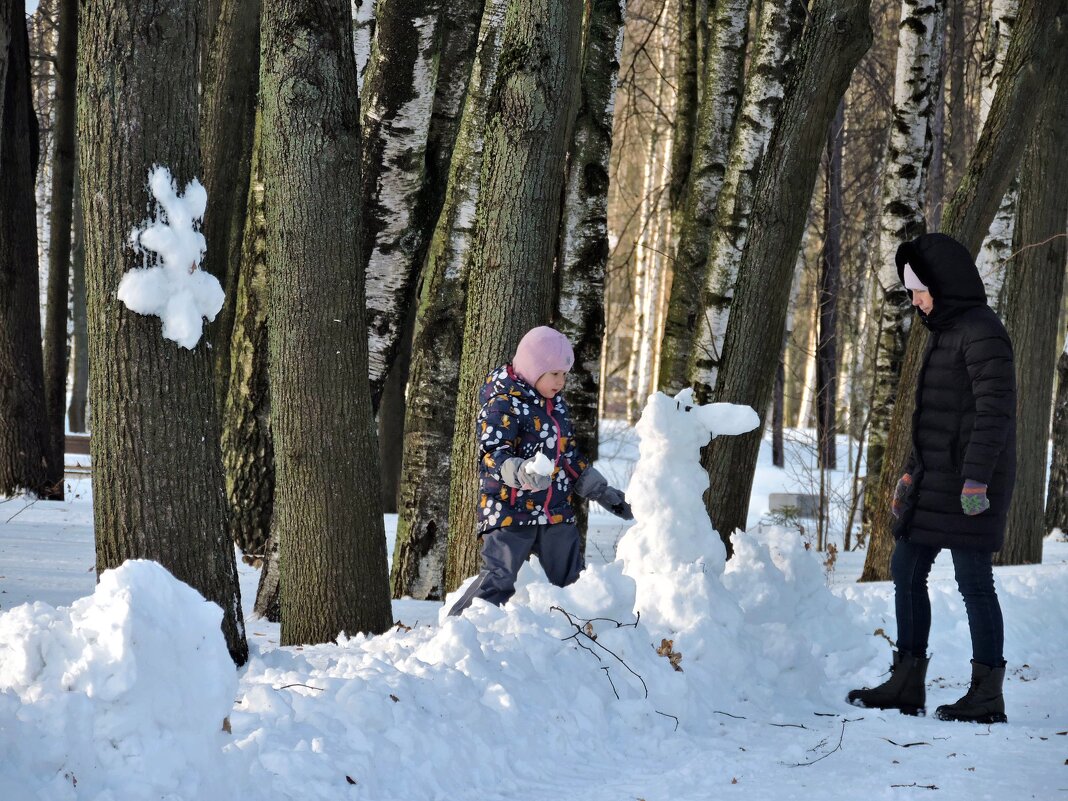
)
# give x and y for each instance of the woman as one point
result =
(958, 480)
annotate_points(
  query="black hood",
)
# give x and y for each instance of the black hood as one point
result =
(947, 269)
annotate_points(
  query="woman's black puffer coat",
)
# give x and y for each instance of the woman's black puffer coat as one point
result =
(964, 426)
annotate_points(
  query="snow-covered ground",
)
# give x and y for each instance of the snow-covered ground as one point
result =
(119, 690)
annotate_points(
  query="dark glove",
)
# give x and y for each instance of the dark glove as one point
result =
(517, 473)
(594, 486)
(973, 498)
(904, 484)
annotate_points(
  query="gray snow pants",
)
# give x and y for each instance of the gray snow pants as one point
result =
(504, 550)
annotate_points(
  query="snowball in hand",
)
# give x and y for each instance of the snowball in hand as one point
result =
(542, 465)
(177, 291)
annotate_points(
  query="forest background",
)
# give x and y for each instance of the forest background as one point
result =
(703, 194)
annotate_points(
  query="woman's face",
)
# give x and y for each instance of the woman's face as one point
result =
(923, 299)
(551, 384)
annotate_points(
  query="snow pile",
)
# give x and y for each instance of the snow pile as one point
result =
(177, 291)
(122, 695)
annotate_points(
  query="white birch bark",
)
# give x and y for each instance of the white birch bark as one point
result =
(997, 246)
(363, 32)
(395, 140)
(779, 27)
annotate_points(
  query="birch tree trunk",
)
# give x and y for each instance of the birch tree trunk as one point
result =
(398, 98)
(1057, 492)
(686, 59)
(158, 490)
(908, 155)
(583, 253)
(830, 273)
(437, 342)
(779, 27)
(228, 108)
(79, 391)
(721, 90)
(1042, 28)
(1033, 292)
(997, 246)
(326, 510)
(836, 35)
(531, 109)
(63, 163)
(23, 424)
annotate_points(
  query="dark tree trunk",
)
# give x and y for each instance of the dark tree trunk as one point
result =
(1057, 493)
(79, 390)
(830, 272)
(63, 163)
(685, 102)
(1041, 29)
(836, 35)
(247, 447)
(23, 423)
(531, 108)
(158, 489)
(326, 508)
(778, 452)
(390, 418)
(1034, 287)
(419, 556)
(228, 111)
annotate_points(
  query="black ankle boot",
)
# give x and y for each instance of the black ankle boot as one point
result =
(983, 703)
(904, 690)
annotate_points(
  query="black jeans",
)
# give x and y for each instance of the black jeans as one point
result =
(910, 566)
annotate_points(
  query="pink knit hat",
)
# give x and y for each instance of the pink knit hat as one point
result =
(542, 350)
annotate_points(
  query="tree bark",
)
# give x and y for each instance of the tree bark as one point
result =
(437, 342)
(772, 60)
(996, 251)
(583, 253)
(77, 417)
(1057, 492)
(247, 446)
(1033, 291)
(685, 102)
(7, 29)
(63, 163)
(228, 115)
(1042, 28)
(23, 423)
(901, 218)
(326, 508)
(398, 98)
(531, 109)
(835, 37)
(830, 277)
(157, 470)
(720, 93)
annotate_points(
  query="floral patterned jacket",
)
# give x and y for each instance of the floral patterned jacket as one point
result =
(516, 420)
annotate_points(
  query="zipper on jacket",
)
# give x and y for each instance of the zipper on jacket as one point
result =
(556, 459)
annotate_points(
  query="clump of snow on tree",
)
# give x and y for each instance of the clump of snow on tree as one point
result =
(173, 288)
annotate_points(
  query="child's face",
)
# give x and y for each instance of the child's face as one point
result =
(551, 384)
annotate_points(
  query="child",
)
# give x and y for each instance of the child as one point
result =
(525, 507)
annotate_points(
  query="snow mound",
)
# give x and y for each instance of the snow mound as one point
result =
(177, 291)
(122, 695)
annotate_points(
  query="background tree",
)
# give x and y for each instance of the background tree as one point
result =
(830, 274)
(1057, 492)
(228, 110)
(63, 164)
(326, 509)
(77, 418)
(1032, 298)
(1041, 29)
(23, 424)
(531, 108)
(419, 555)
(836, 35)
(157, 468)
(721, 88)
